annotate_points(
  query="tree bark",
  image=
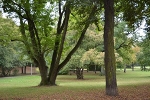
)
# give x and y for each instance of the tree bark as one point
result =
(132, 66)
(25, 69)
(110, 68)
(59, 43)
(21, 70)
(79, 73)
(43, 70)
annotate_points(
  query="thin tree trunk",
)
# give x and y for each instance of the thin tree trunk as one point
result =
(25, 69)
(125, 69)
(102, 71)
(110, 68)
(132, 66)
(21, 70)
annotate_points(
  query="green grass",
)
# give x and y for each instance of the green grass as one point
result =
(26, 86)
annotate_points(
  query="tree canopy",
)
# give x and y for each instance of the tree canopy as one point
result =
(48, 28)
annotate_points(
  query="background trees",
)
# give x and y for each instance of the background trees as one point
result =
(11, 54)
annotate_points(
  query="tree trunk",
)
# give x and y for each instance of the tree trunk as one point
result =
(132, 66)
(79, 73)
(102, 71)
(25, 69)
(59, 44)
(53, 79)
(3, 71)
(21, 70)
(110, 68)
(125, 69)
(43, 70)
(55, 65)
(95, 69)
(144, 68)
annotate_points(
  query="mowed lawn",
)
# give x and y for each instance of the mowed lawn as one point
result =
(132, 85)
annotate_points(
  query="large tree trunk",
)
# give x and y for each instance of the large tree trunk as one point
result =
(53, 78)
(110, 68)
(43, 70)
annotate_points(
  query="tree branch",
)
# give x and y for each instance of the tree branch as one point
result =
(123, 45)
(80, 39)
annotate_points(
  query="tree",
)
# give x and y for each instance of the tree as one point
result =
(124, 42)
(5, 61)
(10, 52)
(92, 56)
(93, 40)
(143, 55)
(110, 67)
(38, 30)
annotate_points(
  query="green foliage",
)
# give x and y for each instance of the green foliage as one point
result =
(93, 56)
(133, 11)
(5, 56)
(93, 40)
(44, 24)
(8, 31)
(6, 60)
(143, 56)
(123, 44)
(75, 59)
(11, 52)
(15, 72)
(11, 56)
(64, 71)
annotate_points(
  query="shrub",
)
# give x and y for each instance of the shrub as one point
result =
(64, 71)
(15, 72)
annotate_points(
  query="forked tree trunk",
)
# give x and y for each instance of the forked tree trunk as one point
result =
(110, 68)
(55, 64)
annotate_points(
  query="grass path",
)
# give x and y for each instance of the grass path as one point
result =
(133, 85)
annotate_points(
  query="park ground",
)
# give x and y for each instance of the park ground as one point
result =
(132, 85)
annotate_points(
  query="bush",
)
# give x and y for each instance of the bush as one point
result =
(64, 71)
(15, 72)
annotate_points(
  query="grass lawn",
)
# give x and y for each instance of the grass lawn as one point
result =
(132, 85)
